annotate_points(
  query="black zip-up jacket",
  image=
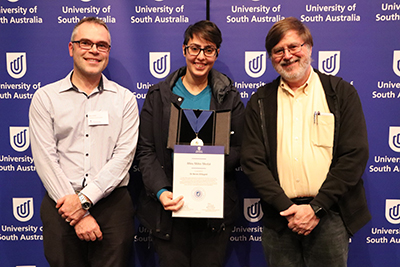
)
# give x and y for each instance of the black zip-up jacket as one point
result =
(155, 159)
(343, 187)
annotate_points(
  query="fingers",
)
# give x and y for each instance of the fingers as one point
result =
(60, 202)
(169, 203)
(99, 235)
(91, 236)
(305, 228)
(174, 205)
(87, 229)
(290, 211)
(72, 222)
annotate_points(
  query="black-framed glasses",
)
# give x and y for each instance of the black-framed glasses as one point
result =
(292, 49)
(208, 51)
(87, 45)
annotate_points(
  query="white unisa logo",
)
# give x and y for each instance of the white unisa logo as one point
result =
(394, 138)
(159, 64)
(252, 209)
(329, 62)
(16, 64)
(19, 138)
(255, 63)
(392, 212)
(23, 208)
(396, 62)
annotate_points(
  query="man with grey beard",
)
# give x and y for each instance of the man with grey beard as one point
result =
(305, 149)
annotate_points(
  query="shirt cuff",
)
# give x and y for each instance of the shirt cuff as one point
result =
(93, 193)
(160, 192)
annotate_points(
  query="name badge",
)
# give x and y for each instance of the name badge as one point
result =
(97, 118)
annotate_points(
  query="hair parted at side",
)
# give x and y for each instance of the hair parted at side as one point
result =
(91, 20)
(280, 28)
(204, 29)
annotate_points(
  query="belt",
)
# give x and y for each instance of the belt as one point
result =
(302, 200)
(307, 200)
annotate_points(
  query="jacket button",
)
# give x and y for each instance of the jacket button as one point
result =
(179, 99)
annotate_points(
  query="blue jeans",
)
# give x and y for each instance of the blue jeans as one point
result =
(326, 246)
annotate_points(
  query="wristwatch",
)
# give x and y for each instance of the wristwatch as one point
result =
(86, 204)
(319, 211)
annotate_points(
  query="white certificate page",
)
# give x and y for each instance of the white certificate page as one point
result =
(199, 178)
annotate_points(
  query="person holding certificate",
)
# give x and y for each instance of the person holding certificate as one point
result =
(196, 86)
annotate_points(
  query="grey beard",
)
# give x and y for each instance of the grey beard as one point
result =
(304, 65)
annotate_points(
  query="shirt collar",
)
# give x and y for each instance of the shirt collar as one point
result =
(104, 85)
(305, 88)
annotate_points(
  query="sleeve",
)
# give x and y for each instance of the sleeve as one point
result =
(232, 161)
(44, 147)
(116, 169)
(254, 159)
(151, 144)
(351, 149)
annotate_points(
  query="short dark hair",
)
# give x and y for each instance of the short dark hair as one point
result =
(91, 20)
(279, 29)
(204, 29)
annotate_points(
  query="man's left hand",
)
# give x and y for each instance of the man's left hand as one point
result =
(301, 218)
(70, 209)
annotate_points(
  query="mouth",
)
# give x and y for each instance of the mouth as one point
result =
(200, 65)
(92, 60)
(289, 63)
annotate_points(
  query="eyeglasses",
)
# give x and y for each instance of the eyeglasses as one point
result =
(87, 45)
(292, 49)
(195, 50)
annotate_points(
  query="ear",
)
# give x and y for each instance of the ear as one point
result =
(70, 49)
(184, 50)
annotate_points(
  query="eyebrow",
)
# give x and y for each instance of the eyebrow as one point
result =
(207, 46)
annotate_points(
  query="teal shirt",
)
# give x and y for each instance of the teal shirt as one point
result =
(201, 101)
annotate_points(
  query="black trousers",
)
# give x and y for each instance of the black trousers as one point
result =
(115, 216)
(193, 244)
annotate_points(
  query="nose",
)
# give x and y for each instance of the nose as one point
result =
(201, 55)
(93, 49)
(287, 54)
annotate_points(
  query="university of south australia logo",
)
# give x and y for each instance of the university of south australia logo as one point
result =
(255, 63)
(159, 64)
(396, 62)
(394, 138)
(252, 209)
(329, 62)
(16, 64)
(23, 208)
(392, 212)
(19, 138)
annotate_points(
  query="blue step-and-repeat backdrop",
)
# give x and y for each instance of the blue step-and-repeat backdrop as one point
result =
(357, 40)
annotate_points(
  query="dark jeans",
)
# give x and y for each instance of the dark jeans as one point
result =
(326, 246)
(114, 215)
(193, 244)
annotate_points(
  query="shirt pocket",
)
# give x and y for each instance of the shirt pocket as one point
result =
(323, 129)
